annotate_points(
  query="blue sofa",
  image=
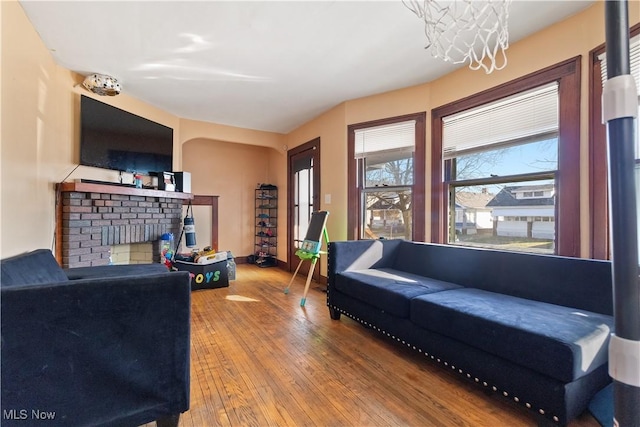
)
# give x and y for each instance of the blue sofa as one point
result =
(533, 328)
(94, 346)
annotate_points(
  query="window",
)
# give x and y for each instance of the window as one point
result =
(499, 170)
(510, 155)
(532, 194)
(386, 167)
(599, 204)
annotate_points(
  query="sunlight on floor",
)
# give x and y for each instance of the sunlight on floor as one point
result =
(240, 298)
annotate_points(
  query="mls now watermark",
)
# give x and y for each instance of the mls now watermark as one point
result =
(27, 414)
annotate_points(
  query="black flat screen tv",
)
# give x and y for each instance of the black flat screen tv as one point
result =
(112, 138)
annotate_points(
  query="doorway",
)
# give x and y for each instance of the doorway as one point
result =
(303, 198)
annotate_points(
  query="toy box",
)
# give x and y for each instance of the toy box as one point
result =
(205, 276)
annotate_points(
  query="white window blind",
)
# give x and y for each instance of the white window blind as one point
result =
(634, 56)
(396, 136)
(634, 62)
(514, 118)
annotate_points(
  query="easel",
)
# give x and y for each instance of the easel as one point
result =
(310, 249)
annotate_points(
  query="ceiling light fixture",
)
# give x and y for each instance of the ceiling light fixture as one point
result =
(466, 30)
(101, 84)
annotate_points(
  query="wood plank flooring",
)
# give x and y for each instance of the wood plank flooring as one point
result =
(259, 359)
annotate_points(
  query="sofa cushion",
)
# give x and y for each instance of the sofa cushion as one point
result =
(558, 341)
(388, 289)
(572, 282)
(120, 270)
(36, 267)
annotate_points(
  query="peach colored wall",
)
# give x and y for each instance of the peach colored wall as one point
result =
(575, 36)
(331, 127)
(229, 161)
(231, 171)
(40, 133)
(36, 114)
(396, 103)
(191, 129)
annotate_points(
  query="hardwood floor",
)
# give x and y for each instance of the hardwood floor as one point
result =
(259, 359)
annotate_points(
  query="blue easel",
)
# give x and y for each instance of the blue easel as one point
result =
(310, 249)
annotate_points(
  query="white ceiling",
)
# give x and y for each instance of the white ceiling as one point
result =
(266, 65)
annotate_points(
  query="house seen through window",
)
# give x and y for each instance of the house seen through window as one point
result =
(500, 163)
(385, 164)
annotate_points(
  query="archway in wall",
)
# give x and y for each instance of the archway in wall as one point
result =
(231, 171)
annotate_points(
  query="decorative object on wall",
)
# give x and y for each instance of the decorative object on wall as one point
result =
(466, 30)
(101, 84)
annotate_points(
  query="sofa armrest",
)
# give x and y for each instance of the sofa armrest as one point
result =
(361, 254)
(101, 351)
(115, 271)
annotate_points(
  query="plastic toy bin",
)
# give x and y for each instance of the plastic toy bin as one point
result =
(205, 276)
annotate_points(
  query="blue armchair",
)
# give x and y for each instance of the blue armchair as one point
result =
(96, 346)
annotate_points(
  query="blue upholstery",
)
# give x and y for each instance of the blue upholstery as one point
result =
(601, 406)
(99, 351)
(561, 342)
(388, 289)
(531, 327)
(115, 271)
(572, 282)
(532, 389)
(31, 268)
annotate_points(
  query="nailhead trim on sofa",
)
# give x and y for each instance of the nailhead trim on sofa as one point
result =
(437, 359)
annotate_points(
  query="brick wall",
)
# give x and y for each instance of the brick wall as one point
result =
(134, 253)
(93, 222)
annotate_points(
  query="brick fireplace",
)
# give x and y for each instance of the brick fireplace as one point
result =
(91, 218)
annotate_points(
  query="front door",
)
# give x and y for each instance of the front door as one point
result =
(304, 197)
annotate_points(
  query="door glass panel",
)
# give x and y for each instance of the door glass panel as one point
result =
(303, 207)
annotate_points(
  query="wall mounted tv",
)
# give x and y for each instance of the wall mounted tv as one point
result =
(112, 138)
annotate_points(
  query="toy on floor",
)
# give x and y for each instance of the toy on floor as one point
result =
(310, 249)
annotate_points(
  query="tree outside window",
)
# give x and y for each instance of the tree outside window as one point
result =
(384, 175)
(496, 163)
(387, 202)
(497, 176)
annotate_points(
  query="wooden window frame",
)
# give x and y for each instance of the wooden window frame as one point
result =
(567, 74)
(418, 188)
(314, 145)
(598, 154)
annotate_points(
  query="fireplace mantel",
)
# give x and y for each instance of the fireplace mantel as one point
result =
(90, 218)
(86, 187)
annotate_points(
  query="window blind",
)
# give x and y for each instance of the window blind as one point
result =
(396, 136)
(634, 56)
(525, 115)
(634, 62)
